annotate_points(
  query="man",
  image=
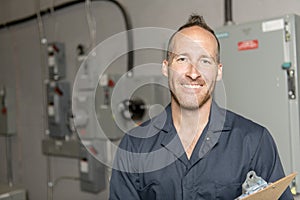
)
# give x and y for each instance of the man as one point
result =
(195, 149)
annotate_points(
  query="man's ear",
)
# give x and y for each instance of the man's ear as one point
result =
(164, 68)
(220, 72)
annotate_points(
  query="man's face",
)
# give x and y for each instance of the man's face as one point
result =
(192, 69)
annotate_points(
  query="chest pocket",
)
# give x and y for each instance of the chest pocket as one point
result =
(151, 191)
(228, 192)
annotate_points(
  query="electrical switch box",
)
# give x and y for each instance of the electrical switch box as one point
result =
(56, 60)
(7, 111)
(58, 103)
(92, 171)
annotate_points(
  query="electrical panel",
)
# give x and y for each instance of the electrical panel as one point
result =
(260, 74)
(58, 104)
(56, 61)
(92, 171)
(7, 111)
(58, 92)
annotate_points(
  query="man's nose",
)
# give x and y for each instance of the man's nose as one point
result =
(192, 72)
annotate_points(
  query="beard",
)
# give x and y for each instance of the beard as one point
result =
(191, 101)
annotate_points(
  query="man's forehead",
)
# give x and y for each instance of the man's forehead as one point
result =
(194, 36)
(186, 44)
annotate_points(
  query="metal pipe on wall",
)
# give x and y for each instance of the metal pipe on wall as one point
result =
(9, 161)
(228, 12)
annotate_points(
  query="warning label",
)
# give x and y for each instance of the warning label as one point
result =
(247, 45)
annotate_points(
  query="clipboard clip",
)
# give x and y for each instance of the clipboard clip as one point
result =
(252, 184)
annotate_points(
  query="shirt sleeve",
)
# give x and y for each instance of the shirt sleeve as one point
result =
(124, 181)
(266, 162)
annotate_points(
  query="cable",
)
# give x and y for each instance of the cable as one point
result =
(91, 23)
(40, 21)
(16, 64)
(54, 21)
(43, 56)
(43, 45)
(49, 180)
(130, 61)
(9, 161)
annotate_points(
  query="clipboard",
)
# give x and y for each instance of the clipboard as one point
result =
(272, 191)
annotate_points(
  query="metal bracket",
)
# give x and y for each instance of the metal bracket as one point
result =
(252, 184)
(291, 83)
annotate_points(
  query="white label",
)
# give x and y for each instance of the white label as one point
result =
(51, 111)
(104, 80)
(84, 167)
(222, 35)
(51, 61)
(273, 25)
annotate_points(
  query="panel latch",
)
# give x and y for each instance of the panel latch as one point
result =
(291, 79)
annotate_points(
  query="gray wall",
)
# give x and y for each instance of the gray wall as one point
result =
(21, 59)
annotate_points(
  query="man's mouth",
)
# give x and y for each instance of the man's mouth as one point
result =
(192, 86)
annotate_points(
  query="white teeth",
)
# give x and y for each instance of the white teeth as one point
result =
(191, 86)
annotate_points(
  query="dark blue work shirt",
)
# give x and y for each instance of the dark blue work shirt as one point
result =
(151, 163)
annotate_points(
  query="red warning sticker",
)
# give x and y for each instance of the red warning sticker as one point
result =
(247, 45)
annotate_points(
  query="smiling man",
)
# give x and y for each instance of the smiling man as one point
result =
(195, 149)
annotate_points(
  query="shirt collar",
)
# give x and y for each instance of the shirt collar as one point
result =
(217, 119)
(164, 120)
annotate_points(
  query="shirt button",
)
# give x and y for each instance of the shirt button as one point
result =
(207, 138)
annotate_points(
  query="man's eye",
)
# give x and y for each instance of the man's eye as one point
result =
(206, 61)
(181, 59)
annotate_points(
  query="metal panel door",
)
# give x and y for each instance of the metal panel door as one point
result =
(256, 85)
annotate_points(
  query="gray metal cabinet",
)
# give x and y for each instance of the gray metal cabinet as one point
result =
(260, 76)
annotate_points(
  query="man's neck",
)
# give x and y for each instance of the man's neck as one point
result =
(189, 124)
(190, 118)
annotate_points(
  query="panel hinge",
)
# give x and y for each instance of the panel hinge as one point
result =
(287, 32)
(291, 83)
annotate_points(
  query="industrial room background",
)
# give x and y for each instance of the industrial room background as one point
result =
(32, 88)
